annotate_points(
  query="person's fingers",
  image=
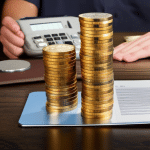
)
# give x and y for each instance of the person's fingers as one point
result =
(142, 53)
(17, 51)
(125, 51)
(11, 24)
(11, 37)
(20, 34)
(122, 45)
(131, 44)
(8, 54)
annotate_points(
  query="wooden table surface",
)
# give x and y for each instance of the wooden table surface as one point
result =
(14, 96)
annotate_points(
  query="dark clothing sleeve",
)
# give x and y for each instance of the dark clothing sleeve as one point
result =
(35, 2)
(128, 15)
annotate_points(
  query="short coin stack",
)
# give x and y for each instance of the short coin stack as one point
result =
(60, 77)
(96, 55)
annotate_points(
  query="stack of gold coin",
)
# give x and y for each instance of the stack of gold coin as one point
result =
(96, 55)
(60, 77)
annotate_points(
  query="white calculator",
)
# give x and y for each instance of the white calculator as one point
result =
(41, 32)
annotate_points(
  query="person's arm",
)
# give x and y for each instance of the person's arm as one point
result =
(18, 9)
(11, 36)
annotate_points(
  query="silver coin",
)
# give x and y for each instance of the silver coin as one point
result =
(14, 65)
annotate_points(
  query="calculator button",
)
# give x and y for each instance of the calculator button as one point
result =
(49, 39)
(51, 43)
(56, 38)
(74, 36)
(76, 42)
(62, 34)
(47, 35)
(39, 40)
(68, 42)
(37, 37)
(54, 35)
(59, 42)
(41, 44)
(63, 37)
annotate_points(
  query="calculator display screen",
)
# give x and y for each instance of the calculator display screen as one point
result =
(46, 26)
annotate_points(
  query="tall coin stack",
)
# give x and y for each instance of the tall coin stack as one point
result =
(96, 55)
(60, 77)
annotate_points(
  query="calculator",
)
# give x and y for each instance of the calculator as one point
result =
(41, 32)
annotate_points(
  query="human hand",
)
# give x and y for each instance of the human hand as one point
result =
(11, 37)
(132, 51)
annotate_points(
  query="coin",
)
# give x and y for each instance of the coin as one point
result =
(60, 49)
(82, 21)
(96, 32)
(60, 110)
(98, 38)
(96, 16)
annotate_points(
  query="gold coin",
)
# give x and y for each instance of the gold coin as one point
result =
(97, 28)
(62, 103)
(60, 92)
(97, 65)
(67, 59)
(98, 101)
(106, 93)
(96, 68)
(51, 69)
(46, 55)
(103, 116)
(62, 87)
(101, 93)
(96, 58)
(96, 79)
(96, 25)
(95, 22)
(96, 16)
(60, 78)
(95, 62)
(96, 32)
(58, 83)
(87, 70)
(96, 106)
(61, 97)
(50, 105)
(59, 65)
(99, 85)
(91, 43)
(57, 101)
(97, 114)
(93, 110)
(96, 46)
(98, 54)
(96, 49)
(103, 100)
(69, 108)
(96, 120)
(105, 35)
(98, 38)
(96, 75)
(96, 82)
(100, 80)
(59, 49)
(103, 87)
